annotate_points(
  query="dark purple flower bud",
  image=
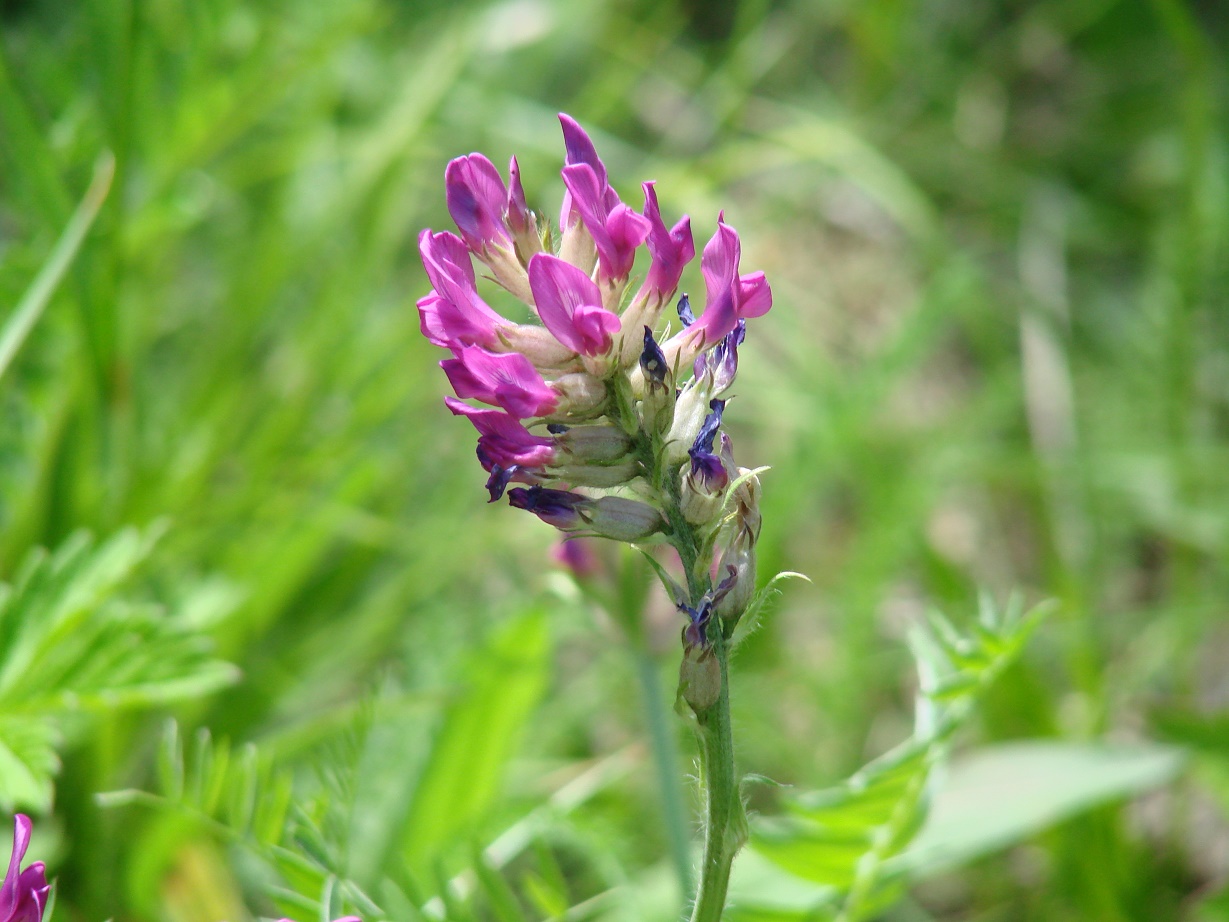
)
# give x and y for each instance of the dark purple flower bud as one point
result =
(722, 360)
(554, 507)
(499, 480)
(23, 897)
(653, 360)
(684, 309)
(708, 431)
(606, 517)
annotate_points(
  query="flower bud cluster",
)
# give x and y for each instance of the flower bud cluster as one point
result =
(591, 399)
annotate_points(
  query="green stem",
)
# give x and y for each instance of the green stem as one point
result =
(723, 835)
(666, 762)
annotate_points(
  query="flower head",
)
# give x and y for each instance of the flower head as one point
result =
(592, 399)
(23, 897)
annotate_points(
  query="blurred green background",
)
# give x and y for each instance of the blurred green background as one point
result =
(998, 239)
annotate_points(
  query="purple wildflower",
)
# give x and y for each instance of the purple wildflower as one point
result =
(616, 231)
(706, 467)
(671, 249)
(560, 508)
(570, 305)
(686, 316)
(508, 380)
(477, 197)
(23, 897)
(503, 440)
(730, 297)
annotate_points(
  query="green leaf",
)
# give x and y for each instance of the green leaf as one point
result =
(1001, 795)
(21, 321)
(501, 686)
(843, 838)
(28, 763)
(68, 644)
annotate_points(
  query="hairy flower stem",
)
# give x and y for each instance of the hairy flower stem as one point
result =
(722, 838)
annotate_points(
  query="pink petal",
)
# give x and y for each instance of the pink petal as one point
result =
(503, 438)
(671, 249)
(560, 290)
(476, 196)
(508, 380)
(754, 294)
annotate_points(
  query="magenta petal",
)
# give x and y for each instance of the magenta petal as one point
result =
(519, 215)
(579, 147)
(451, 273)
(476, 197)
(616, 229)
(508, 380)
(502, 438)
(595, 326)
(561, 291)
(755, 297)
(446, 259)
(24, 893)
(670, 249)
(625, 230)
(719, 262)
(449, 327)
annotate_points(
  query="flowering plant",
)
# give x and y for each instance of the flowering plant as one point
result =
(611, 427)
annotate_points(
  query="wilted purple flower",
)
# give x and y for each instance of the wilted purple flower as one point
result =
(653, 360)
(706, 467)
(722, 360)
(686, 316)
(23, 897)
(508, 380)
(570, 305)
(606, 516)
(560, 508)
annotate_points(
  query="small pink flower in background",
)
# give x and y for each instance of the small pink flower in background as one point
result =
(24, 894)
